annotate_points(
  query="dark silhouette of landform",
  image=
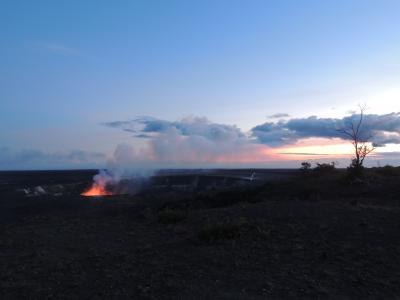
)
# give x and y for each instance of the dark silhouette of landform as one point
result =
(216, 234)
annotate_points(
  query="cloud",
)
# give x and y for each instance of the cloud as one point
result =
(383, 129)
(190, 126)
(192, 141)
(117, 124)
(11, 159)
(305, 153)
(198, 142)
(279, 116)
(143, 136)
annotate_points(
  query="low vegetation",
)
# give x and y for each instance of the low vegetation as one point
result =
(228, 229)
(319, 169)
(387, 171)
(171, 216)
(310, 236)
(350, 175)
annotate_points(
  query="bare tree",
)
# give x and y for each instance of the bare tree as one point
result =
(360, 140)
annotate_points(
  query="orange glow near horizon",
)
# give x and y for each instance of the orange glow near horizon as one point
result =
(316, 147)
(311, 148)
(251, 153)
(96, 190)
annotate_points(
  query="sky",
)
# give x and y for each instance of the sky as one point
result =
(82, 81)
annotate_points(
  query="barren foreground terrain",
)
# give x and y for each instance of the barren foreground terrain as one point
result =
(300, 237)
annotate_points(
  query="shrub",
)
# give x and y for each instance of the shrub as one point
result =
(305, 167)
(223, 230)
(355, 171)
(171, 216)
(325, 167)
(319, 169)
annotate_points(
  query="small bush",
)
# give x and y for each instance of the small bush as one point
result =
(171, 216)
(355, 172)
(305, 167)
(325, 168)
(223, 230)
(318, 170)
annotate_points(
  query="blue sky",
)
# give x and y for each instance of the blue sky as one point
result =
(66, 67)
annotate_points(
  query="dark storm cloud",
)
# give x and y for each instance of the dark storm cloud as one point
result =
(383, 129)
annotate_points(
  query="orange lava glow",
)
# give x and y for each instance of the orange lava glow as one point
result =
(96, 190)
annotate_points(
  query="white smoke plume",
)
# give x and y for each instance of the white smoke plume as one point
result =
(189, 143)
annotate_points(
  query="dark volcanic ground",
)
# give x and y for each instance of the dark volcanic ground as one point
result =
(314, 237)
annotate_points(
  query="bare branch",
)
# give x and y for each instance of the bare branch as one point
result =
(354, 132)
